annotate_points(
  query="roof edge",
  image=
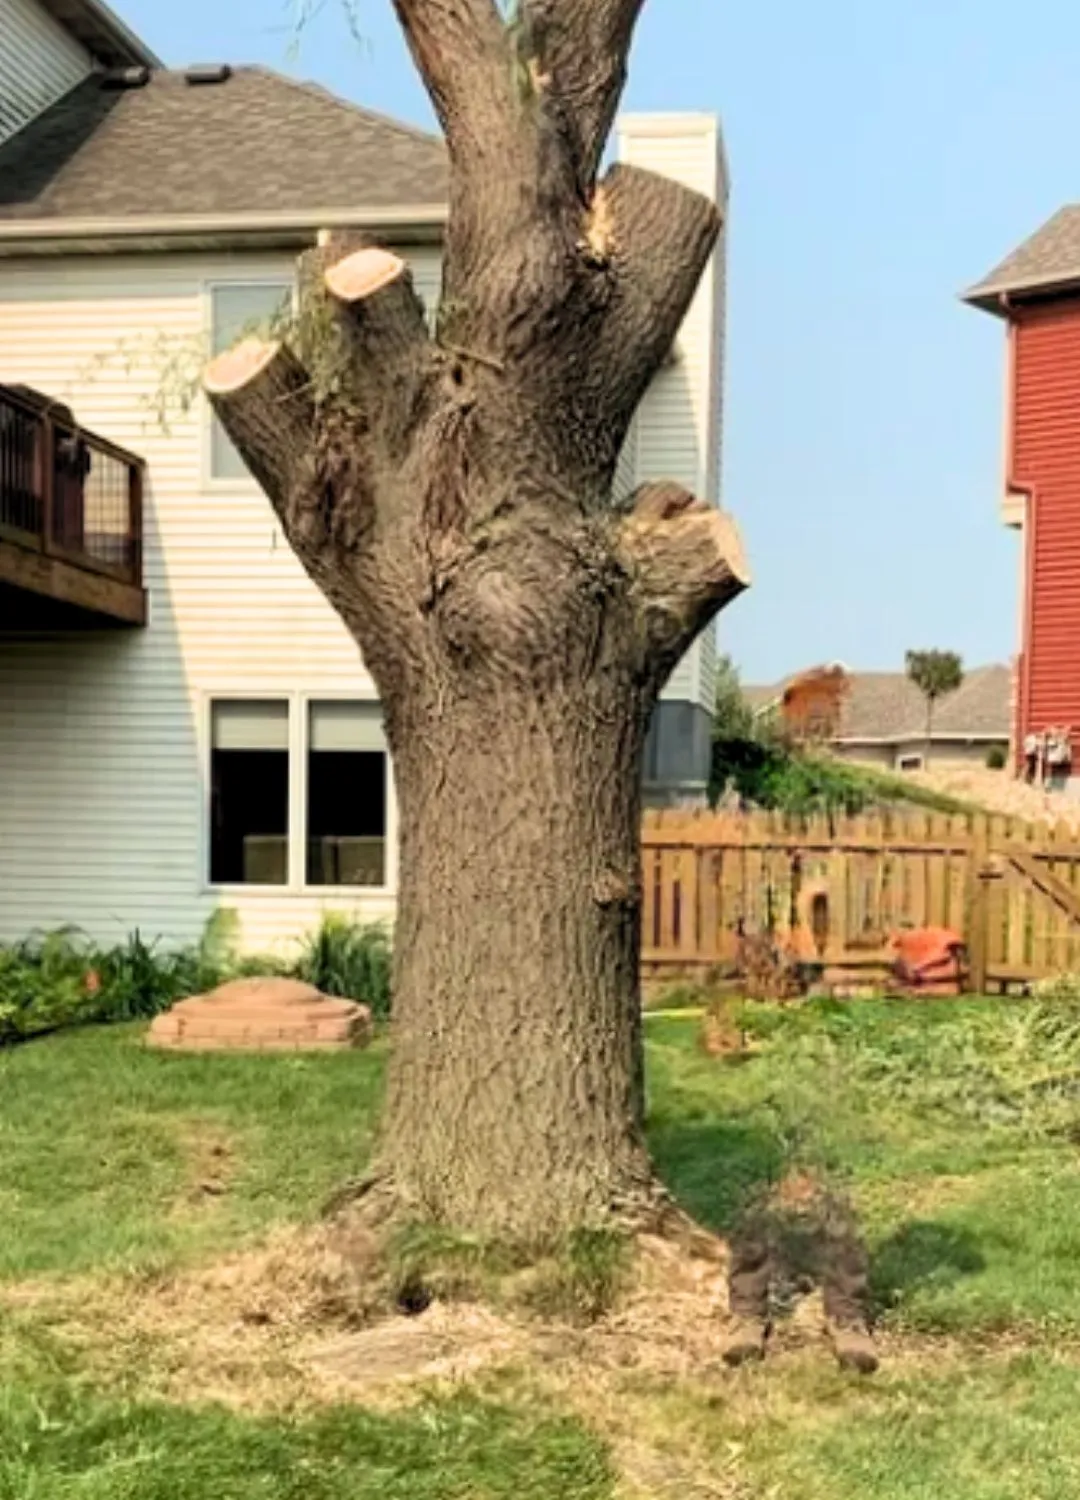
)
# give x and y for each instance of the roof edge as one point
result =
(950, 737)
(994, 296)
(101, 30)
(135, 228)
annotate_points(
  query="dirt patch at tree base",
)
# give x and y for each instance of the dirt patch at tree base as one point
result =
(297, 1323)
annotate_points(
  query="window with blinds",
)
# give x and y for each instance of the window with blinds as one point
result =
(249, 799)
(347, 783)
(343, 792)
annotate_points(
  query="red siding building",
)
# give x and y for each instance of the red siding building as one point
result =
(1036, 291)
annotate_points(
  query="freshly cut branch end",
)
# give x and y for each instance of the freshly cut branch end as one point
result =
(239, 366)
(363, 273)
(264, 397)
(688, 562)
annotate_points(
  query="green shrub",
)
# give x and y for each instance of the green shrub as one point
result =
(349, 959)
(44, 984)
(770, 773)
(56, 980)
(997, 758)
(52, 981)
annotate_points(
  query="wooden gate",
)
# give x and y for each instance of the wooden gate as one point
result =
(836, 890)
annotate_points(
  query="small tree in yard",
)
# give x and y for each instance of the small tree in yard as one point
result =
(733, 717)
(451, 494)
(936, 674)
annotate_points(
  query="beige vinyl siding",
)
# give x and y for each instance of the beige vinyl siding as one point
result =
(104, 738)
(679, 421)
(626, 471)
(39, 63)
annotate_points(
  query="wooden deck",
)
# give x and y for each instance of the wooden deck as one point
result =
(70, 520)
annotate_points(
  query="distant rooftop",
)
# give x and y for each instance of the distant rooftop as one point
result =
(1048, 261)
(887, 708)
(256, 145)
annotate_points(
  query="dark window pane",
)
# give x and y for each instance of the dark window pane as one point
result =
(346, 817)
(249, 836)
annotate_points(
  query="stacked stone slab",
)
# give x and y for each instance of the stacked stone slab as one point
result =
(262, 1015)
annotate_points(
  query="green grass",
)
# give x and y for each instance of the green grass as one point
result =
(980, 1428)
(953, 1125)
(107, 1148)
(965, 1176)
(55, 1446)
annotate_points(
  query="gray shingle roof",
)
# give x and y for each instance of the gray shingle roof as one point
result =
(886, 707)
(1050, 258)
(256, 143)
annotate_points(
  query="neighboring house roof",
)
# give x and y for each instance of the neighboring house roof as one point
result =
(1050, 259)
(102, 33)
(887, 708)
(762, 698)
(255, 148)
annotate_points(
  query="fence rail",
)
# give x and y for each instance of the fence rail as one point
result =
(834, 891)
(67, 492)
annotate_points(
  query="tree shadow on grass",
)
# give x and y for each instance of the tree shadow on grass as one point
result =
(922, 1253)
(715, 1168)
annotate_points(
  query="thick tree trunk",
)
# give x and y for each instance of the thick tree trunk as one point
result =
(515, 1098)
(453, 499)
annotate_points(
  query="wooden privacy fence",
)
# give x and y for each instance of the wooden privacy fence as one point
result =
(833, 890)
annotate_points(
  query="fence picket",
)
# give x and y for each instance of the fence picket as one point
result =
(705, 877)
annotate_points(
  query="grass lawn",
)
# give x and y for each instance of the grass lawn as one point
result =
(126, 1176)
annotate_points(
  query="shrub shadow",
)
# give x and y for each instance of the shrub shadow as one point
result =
(922, 1253)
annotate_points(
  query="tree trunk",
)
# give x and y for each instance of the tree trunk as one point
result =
(516, 1010)
(452, 496)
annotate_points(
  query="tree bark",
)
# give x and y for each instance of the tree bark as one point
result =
(452, 497)
(515, 1093)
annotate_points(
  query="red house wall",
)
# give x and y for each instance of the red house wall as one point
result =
(1045, 463)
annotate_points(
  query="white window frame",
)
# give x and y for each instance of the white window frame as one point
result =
(242, 484)
(299, 702)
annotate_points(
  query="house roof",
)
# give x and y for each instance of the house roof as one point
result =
(887, 708)
(253, 147)
(1049, 260)
(102, 33)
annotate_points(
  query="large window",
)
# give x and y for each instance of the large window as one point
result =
(346, 795)
(236, 310)
(337, 813)
(249, 804)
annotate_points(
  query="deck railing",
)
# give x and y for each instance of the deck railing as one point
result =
(65, 491)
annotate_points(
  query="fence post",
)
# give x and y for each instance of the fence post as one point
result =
(977, 907)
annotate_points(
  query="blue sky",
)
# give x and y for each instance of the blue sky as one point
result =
(884, 155)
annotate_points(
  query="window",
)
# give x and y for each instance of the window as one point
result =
(236, 310)
(346, 795)
(249, 793)
(265, 806)
(911, 762)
